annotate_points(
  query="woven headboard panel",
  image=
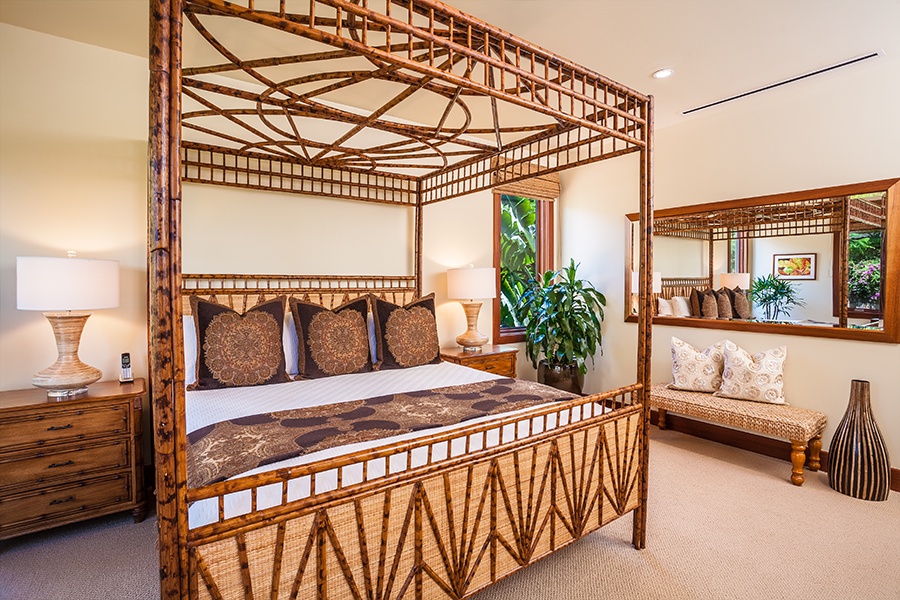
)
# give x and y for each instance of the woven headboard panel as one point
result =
(682, 286)
(242, 292)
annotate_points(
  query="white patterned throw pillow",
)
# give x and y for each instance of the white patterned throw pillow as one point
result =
(697, 371)
(759, 378)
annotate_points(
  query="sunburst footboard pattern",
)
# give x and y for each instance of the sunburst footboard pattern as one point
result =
(441, 532)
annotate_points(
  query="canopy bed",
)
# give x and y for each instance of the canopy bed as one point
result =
(310, 97)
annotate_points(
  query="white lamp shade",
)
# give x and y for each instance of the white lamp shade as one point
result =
(657, 282)
(734, 280)
(471, 283)
(61, 284)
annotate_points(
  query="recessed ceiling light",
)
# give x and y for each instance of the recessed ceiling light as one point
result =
(663, 73)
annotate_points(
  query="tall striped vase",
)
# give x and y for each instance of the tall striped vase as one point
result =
(858, 463)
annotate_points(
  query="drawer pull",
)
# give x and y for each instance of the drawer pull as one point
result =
(69, 499)
(54, 428)
(65, 464)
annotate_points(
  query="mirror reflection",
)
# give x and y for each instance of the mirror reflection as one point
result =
(818, 259)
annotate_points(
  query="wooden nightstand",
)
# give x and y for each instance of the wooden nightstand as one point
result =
(500, 360)
(71, 460)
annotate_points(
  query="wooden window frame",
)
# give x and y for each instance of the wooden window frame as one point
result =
(544, 261)
(853, 313)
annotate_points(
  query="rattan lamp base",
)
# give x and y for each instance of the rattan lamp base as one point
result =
(472, 340)
(68, 376)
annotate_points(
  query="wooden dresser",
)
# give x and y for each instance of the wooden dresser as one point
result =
(500, 360)
(70, 460)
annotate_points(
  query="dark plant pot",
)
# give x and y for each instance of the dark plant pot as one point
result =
(562, 377)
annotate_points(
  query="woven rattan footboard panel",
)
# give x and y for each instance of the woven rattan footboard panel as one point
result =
(442, 533)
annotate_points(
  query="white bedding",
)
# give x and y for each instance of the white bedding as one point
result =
(211, 406)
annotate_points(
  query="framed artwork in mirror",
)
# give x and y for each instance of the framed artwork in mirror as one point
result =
(794, 266)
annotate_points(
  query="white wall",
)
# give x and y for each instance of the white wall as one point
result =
(797, 137)
(817, 294)
(228, 230)
(73, 176)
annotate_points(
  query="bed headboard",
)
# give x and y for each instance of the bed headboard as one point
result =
(682, 286)
(242, 292)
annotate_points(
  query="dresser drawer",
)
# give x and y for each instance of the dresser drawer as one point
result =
(53, 426)
(499, 365)
(59, 501)
(36, 468)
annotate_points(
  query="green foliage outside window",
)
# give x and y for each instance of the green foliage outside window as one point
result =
(864, 275)
(518, 253)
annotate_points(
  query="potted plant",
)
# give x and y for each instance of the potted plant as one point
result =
(776, 296)
(561, 315)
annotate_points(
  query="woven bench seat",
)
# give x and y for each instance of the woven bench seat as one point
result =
(800, 426)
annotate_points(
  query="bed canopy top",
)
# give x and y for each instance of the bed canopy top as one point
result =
(400, 101)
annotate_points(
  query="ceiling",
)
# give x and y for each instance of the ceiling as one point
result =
(718, 48)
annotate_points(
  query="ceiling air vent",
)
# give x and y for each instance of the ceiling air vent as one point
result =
(787, 81)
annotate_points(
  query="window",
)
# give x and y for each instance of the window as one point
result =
(864, 280)
(523, 247)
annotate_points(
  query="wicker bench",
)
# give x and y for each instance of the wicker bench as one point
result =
(800, 426)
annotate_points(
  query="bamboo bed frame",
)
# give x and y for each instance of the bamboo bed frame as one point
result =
(442, 525)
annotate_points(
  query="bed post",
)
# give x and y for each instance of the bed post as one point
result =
(645, 339)
(418, 265)
(164, 263)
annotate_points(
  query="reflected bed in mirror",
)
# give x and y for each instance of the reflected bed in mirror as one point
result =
(828, 261)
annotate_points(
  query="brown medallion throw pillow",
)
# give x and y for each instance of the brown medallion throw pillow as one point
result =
(406, 335)
(696, 303)
(742, 307)
(236, 350)
(332, 342)
(709, 305)
(723, 301)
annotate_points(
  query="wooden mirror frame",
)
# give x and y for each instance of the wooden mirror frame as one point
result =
(891, 331)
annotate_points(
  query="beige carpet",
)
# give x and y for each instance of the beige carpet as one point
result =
(724, 524)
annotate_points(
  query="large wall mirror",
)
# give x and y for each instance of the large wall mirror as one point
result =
(828, 261)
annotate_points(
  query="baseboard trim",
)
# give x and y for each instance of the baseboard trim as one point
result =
(745, 440)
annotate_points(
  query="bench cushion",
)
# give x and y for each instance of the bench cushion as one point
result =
(778, 420)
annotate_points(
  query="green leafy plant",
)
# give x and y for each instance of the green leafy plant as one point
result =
(518, 231)
(776, 296)
(562, 316)
(864, 269)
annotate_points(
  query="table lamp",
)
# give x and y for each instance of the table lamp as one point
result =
(734, 280)
(468, 285)
(63, 289)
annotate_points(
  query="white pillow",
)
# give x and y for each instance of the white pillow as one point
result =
(697, 371)
(759, 378)
(373, 345)
(664, 308)
(190, 350)
(291, 344)
(681, 306)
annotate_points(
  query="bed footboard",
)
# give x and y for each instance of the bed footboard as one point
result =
(445, 529)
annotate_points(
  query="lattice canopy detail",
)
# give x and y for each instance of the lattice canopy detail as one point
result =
(802, 217)
(402, 89)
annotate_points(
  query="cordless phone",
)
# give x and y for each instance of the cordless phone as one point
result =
(125, 374)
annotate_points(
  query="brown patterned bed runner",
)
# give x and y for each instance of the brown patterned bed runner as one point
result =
(228, 448)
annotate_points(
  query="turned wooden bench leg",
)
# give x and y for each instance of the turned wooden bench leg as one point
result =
(815, 447)
(798, 459)
(661, 418)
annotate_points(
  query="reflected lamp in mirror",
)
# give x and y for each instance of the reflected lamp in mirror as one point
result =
(734, 280)
(469, 286)
(635, 288)
(64, 289)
